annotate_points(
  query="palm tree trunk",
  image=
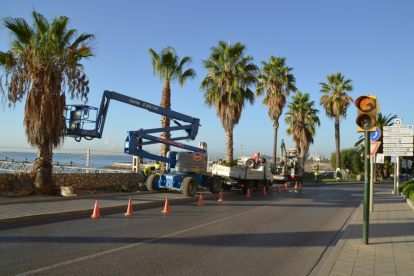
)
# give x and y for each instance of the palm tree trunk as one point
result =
(338, 156)
(276, 126)
(229, 145)
(43, 169)
(165, 122)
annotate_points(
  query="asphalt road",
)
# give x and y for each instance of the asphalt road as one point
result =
(277, 234)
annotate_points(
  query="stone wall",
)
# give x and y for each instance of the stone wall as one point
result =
(6, 181)
(96, 180)
(82, 180)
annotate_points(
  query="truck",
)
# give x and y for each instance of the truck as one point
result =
(251, 174)
(186, 170)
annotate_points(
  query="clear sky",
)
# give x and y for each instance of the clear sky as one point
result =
(370, 42)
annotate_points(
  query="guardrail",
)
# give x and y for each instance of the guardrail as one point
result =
(26, 166)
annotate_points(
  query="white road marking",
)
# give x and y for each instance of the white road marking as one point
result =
(137, 244)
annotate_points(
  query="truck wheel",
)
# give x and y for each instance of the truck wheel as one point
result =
(151, 183)
(251, 186)
(250, 163)
(215, 184)
(189, 187)
(226, 187)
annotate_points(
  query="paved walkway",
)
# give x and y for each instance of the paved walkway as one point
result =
(391, 242)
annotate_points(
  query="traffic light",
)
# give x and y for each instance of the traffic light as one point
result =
(368, 108)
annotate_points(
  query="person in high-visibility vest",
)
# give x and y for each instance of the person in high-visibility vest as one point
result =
(317, 174)
(338, 174)
(157, 166)
(146, 172)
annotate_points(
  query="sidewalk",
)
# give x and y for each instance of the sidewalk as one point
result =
(33, 209)
(391, 242)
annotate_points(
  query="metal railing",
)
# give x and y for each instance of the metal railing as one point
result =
(26, 166)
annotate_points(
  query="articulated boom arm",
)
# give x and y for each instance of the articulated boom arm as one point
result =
(79, 116)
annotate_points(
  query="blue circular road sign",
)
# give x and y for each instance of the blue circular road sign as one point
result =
(375, 135)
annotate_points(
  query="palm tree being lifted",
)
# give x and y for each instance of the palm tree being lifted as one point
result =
(302, 119)
(168, 68)
(277, 82)
(42, 64)
(227, 85)
(336, 101)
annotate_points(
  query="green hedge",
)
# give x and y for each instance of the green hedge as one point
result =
(412, 195)
(402, 186)
(407, 189)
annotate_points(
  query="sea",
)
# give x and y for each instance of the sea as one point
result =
(78, 160)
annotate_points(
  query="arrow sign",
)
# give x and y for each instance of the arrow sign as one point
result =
(398, 132)
(392, 153)
(398, 146)
(397, 127)
(398, 149)
(398, 140)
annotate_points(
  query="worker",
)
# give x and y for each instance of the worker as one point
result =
(146, 173)
(338, 174)
(317, 174)
(157, 166)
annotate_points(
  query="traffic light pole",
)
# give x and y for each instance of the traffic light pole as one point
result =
(367, 155)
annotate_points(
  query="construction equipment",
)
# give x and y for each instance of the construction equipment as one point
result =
(185, 169)
(290, 167)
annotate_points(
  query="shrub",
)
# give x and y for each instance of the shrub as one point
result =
(407, 189)
(402, 186)
(412, 195)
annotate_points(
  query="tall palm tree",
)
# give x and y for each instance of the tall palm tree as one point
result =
(230, 74)
(168, 68)
(277, 82)
(381, 122)
(336, 101)
(302, 119)
(42, 65)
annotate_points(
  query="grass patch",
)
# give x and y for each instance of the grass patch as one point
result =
(327, 180)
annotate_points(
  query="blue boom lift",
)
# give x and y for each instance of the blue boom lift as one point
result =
(185, 170)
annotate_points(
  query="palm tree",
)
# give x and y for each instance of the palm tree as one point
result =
(302, 120)
(168, 68)
(277, 82)
(336, 101)
(226, 85)
(43, 64)
(381, 122)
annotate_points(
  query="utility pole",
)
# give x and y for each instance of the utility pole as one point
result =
(241, 150)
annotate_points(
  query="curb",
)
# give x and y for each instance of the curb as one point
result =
(323, 261)
(73, 197)
(408, 200)
(35, 218)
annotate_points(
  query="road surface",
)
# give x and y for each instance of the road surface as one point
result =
(277, 234)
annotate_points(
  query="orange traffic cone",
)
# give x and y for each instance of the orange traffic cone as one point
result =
(129, 210)
(264, 191)
(200, 201)
(300, 184)
(285, 188)
(221, 196)
(278, 188)
(296, 185)
(248, 193)
(96, 213)
(166, 207)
